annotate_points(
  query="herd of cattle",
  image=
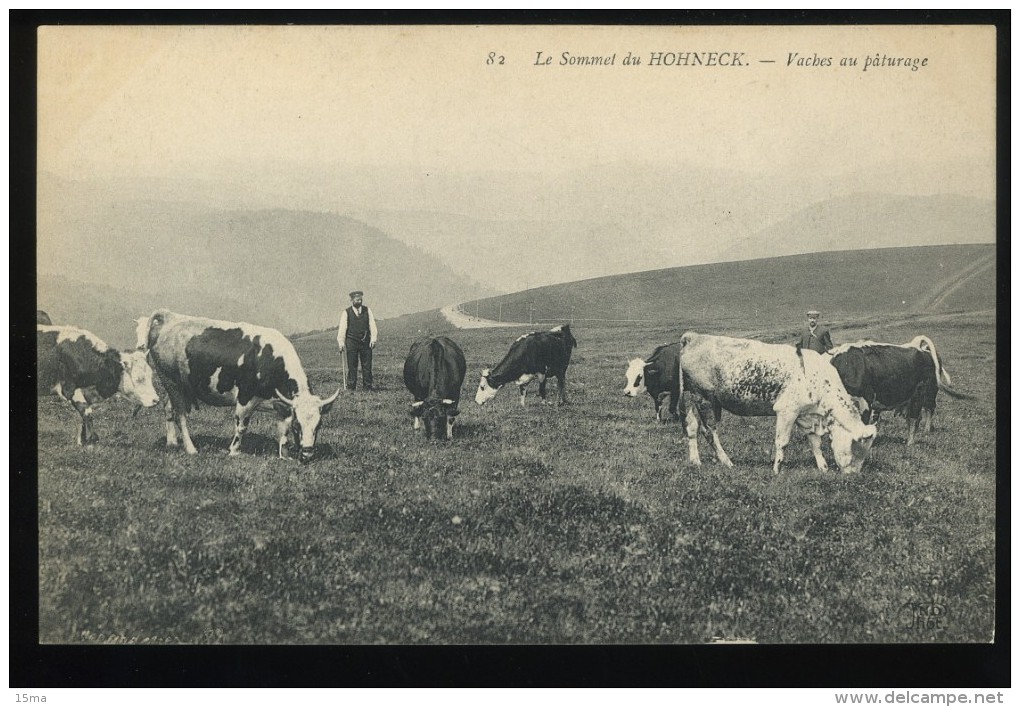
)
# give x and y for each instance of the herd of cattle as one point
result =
(838, 394)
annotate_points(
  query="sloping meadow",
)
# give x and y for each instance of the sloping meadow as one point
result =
(575, 524)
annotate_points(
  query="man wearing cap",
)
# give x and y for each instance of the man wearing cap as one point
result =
(815, 336)
(357, 337)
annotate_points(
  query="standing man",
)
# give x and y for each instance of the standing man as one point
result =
(357, 337)
(815, 337)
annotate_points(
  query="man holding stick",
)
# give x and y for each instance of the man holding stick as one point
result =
(356, 337)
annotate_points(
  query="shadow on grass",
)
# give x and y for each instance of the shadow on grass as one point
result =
(254, 444)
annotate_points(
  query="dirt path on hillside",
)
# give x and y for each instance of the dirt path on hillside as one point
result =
(460, 319)
(978, 267)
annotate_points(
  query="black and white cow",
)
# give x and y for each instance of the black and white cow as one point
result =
(901, 377)
(434, 373)
(751, 378)
(659, 376)
(539, 354)
(228, 364)
(80, 368)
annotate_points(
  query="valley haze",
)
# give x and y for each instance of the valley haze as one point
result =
(316, 160)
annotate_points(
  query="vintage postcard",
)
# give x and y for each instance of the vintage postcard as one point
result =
(517, 335)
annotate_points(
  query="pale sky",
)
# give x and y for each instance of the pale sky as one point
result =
(167, 100)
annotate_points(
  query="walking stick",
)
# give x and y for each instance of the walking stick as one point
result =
(343, 366)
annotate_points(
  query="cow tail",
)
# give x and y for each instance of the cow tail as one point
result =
(800, 355)
(678, 389)
(926, 344)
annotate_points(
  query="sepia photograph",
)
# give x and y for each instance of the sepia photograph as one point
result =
(516, 335)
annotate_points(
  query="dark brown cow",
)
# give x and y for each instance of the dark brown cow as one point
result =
(539, 354)
(901, 377)
(434, 373)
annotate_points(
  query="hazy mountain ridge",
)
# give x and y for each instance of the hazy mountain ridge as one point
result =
(291, 243)
(860, 221)
(747, 293)
(510, 230)
(293, 269)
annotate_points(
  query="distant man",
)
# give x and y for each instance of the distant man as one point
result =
(357, 337)
(815, 336)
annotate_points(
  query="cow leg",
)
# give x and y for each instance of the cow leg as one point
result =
(189, 446)
(561, 381)
(524, 392)
(911, 429)
(449, 426)
(171, 425)
(816, 448)
(283, 423)
(692, 436)
(785, 422)
(417, 422)
(541, 386)
(674, 400)
(926, 419)
(242, 418)
(658, 400)
(85, 434)
(720, 453)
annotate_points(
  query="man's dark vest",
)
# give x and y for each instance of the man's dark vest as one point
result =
(357, 327)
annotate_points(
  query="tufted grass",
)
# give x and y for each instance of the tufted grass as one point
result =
(581, 524)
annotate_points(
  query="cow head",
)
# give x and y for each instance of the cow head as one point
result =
(486, 392)
(635, 378)
(851, 442)
(841, 419)
(437, 415)
(851, 450)
(307, 411)
(136, 379)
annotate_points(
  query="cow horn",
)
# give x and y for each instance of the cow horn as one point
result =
(283, 398)
(418, 404)
(447, 401)
(333, 397)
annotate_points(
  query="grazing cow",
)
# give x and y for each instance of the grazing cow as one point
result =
(659, 376)
(42, 317)
(81, 369)
(751, 378)
(901, 377)
(434, 373)
(539, 354)
(231, 364)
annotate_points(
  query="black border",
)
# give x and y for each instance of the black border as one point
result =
(878, 666)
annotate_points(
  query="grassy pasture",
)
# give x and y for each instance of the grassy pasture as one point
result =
(581, 524)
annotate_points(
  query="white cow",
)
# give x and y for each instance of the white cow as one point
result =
(797, 386)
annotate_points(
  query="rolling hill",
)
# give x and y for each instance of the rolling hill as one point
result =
(846, 285)
(511, 230)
